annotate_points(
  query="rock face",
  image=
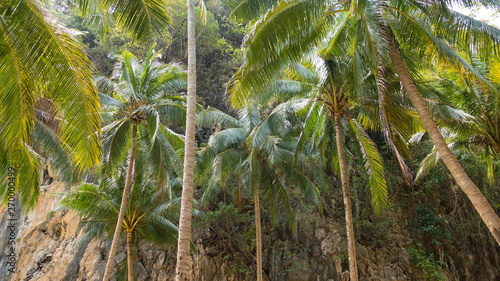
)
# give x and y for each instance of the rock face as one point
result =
(46, 251)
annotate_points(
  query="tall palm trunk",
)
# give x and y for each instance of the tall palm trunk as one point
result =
(183, 269)
(258, 235)
(482, 206)
(130, 259)
(344, 178)
(126, 189)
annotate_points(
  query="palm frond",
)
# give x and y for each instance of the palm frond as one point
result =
(46, 53)
(373, 164)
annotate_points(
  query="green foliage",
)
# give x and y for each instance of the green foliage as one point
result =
(147, 217)
(146, 95)
(435, 179)
(430, 268)
(256, 151)
(218, 48)
(143, 18)
(241, 268)
(372, 232)
(45, 78)
(227, 230)
(480, 167)
(278, 147)
(430, 226)
(285, 253)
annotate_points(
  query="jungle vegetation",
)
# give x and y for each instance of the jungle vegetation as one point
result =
(152, 111)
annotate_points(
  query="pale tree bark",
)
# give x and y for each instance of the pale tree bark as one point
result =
(258, 235)
(483, 207)
(183, 269)
(344, 178)
(130, 258)
(121, 215)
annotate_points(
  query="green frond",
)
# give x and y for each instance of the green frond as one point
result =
(247, 10)
(141, 17)
(214, 117)
(373, 167)
(46, 53)
(51, 145)
(171, 113)
(163, 159)
(427, 164)
(464, 30)
(494, 74)
(153, 124)
(275, 193)
(273, 42)
(297, 178)
(227, 138)
(115, 141)
(176, 140)
(430, 41)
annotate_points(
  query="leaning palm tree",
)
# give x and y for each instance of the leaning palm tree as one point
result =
(467, 113)
(378, 30)
(144, 99)
(258, 152)
(462, 26)
(43, 63)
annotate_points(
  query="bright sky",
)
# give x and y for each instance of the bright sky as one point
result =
(482, 14)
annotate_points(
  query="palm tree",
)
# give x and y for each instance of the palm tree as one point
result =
(467, 114)
(330, 86)
(336, 98)
(483, 207)
(43, 64)
(333, 99)
(258, 152)
(378, 30)
(148, 217)
(183, 267)
(143, 100)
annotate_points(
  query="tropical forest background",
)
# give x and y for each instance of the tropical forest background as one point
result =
(311, 161)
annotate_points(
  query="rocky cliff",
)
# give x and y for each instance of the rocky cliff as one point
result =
(45, 250)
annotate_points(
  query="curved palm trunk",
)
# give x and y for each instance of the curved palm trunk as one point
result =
(126, 189)
(130, 259)
(258, 235)
(386, 130)
(183, 269)
(344, 178)
(477, 199)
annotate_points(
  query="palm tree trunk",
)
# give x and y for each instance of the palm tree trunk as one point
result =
(344, 178)
(258, 235)
(183, 269)
(477, 199)
(497, 148)
(126, 189)
(130, 259)
(386, 130)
